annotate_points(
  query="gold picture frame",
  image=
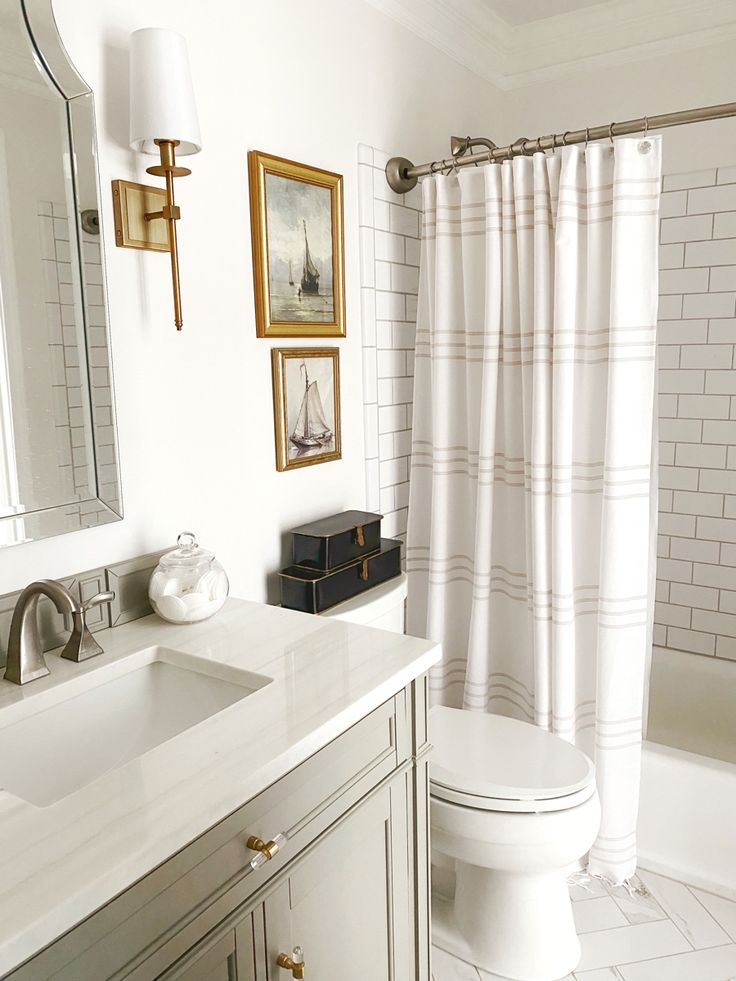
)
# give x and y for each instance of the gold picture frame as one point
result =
(296, 215)
(299, 402)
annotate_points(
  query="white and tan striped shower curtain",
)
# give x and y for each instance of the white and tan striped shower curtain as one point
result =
(531, 525)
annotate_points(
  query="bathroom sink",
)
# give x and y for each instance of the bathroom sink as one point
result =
(59, 740)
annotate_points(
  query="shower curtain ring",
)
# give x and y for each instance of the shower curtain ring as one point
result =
(587, 136)
(646, 125)
(564, 137)
(610, 132)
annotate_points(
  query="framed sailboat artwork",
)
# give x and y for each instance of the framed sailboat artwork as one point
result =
(298, 252)
(306, 402)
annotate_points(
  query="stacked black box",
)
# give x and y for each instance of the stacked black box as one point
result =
(337, 558)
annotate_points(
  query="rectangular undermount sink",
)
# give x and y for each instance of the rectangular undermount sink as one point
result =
(62, 739)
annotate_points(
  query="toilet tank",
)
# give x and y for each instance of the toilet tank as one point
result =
(382, 606)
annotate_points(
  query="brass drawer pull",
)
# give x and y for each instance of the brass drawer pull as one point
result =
(295, 963)
(360, 536)
(364, 570)
(266, 849)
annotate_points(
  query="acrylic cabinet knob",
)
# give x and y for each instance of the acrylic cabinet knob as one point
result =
(295, 963)
(266, 849)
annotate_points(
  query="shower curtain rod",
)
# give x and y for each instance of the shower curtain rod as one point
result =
(402, 175)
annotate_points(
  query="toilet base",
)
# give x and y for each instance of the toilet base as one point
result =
(519, 926)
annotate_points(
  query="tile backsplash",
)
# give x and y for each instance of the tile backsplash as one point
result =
(128, 580)
(696, 569)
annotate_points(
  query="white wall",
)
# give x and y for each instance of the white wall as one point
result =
(195, 409)
(685, 80)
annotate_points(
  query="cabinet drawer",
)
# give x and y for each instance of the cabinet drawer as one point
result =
(152, 921)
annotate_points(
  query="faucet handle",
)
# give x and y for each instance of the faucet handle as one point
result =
(81, 644)
(97, 600)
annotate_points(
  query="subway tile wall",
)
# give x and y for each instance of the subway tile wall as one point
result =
(696, 568)
(389, 273)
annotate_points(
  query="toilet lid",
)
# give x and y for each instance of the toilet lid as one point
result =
(492, 756)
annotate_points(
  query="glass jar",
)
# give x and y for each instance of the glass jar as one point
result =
(188, 584)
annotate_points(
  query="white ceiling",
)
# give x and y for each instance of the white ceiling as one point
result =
(516, 12)
(519, 42)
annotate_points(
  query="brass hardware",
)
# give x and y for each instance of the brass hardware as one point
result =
(135, 227)
(360, 536)
(131, 202)
(294, 964)
(364, 570)
(267, 848)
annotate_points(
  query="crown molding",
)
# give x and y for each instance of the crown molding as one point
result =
(466, 30)
(600, 36)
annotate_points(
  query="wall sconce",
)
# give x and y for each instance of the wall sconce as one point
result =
(163, 117)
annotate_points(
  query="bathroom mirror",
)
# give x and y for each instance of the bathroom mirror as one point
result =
(58, 445)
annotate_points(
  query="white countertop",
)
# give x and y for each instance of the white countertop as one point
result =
(60, 863)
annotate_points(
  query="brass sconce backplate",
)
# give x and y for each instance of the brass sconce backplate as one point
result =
(131, 202)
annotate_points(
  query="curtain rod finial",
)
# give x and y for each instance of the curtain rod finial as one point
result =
(396, 175)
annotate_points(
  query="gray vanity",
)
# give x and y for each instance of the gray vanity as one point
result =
(294, 817)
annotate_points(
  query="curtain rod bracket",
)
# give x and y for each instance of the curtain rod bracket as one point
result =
(396, 175)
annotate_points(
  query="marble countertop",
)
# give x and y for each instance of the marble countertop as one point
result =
(62, 862)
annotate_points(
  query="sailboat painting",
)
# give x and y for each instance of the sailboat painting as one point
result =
(306, 406)
(296, 217)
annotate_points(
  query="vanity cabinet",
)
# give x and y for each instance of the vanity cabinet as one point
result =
(346, 903)
(350, 885)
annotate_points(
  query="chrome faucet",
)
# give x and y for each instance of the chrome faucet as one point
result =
(25, 651)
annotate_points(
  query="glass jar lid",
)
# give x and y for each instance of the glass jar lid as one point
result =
(188, 553)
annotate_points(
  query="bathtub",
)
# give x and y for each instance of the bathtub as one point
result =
(687, 817)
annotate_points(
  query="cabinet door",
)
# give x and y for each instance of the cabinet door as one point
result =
(347, 902)
(235, 954)
(212, 960)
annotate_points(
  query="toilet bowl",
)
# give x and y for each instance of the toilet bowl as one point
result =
(511, 807)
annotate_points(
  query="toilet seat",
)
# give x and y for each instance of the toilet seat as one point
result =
(494, 763)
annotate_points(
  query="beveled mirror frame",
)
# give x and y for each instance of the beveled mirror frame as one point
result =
(102, 504)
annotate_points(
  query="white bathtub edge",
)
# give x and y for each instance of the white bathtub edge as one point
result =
(686, 818)
(689, 877)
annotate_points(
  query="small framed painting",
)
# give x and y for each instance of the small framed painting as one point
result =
(306, 405)
(296, 216)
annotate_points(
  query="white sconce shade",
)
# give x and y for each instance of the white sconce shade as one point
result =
(162, 105)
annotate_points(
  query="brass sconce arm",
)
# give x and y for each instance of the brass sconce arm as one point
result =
(135, 226)
(170, 213)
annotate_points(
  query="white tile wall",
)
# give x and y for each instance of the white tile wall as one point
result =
(696, 588)
(389, 240)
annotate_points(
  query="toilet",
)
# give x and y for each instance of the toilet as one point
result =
(512, 809)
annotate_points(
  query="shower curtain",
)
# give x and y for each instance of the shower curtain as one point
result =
(531, 518)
